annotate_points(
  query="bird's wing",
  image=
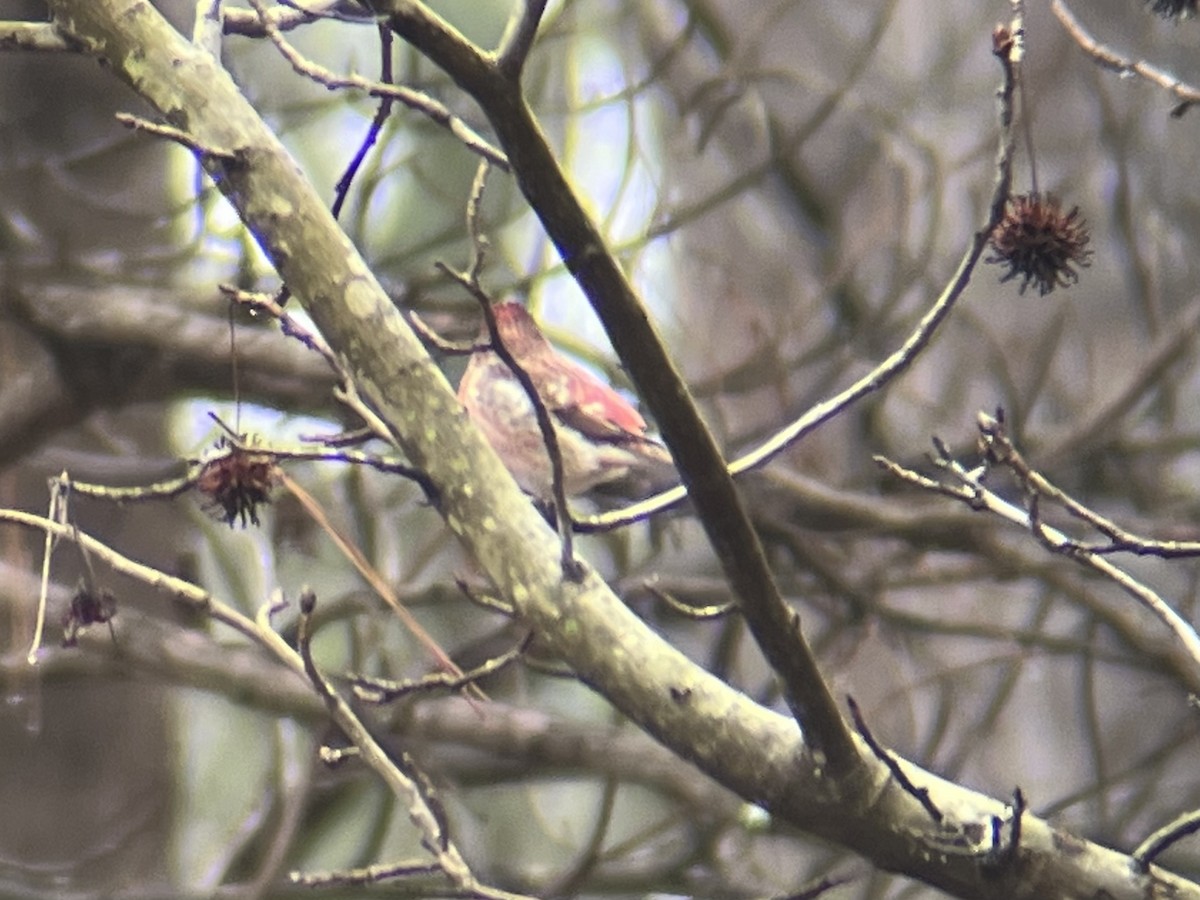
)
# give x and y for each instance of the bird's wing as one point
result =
(585, 403)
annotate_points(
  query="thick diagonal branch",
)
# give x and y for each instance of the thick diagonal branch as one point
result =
(722, 512)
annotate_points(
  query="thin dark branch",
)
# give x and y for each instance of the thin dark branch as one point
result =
(562, 513)
(382, 690)
(342, 189)
(174, 134)
(415, 100)
(518, 37)
(1002, 451)
(435, 341)
(687, 610)
(884, 756)
(272, 305)
(1003, 857)
(1018, 815)
(1163, 838)
(470, 280)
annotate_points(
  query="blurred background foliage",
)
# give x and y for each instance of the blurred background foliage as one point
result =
(789, 183)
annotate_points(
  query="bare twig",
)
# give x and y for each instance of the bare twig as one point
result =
(382, 690)
(518, 37)
(721, 509)
(487, 601)
(1163, 838)
(1002, 856)
(414, 100)
(470, 280)
(881, 753)
(336, 10)
(269, 303)
(173, 487)
(377, 582)
(700, 613)
(1018, 815)
(435, 341)
(342, 189)
(1186, 94)
(1001, 450)
(60, 498)
(180, 137)
(364, 875)
(886, 371)
(1016, 30)
(194, 596)
(248, 23)
(423, 811)
(971, 490)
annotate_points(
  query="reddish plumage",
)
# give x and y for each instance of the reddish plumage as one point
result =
(600, 435)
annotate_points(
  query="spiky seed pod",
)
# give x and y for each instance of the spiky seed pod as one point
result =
(1040, 243)
(237, 483)
(88, 607)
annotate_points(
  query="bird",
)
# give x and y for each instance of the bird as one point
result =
(601, 437)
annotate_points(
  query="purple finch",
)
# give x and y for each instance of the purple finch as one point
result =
(601, 437)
